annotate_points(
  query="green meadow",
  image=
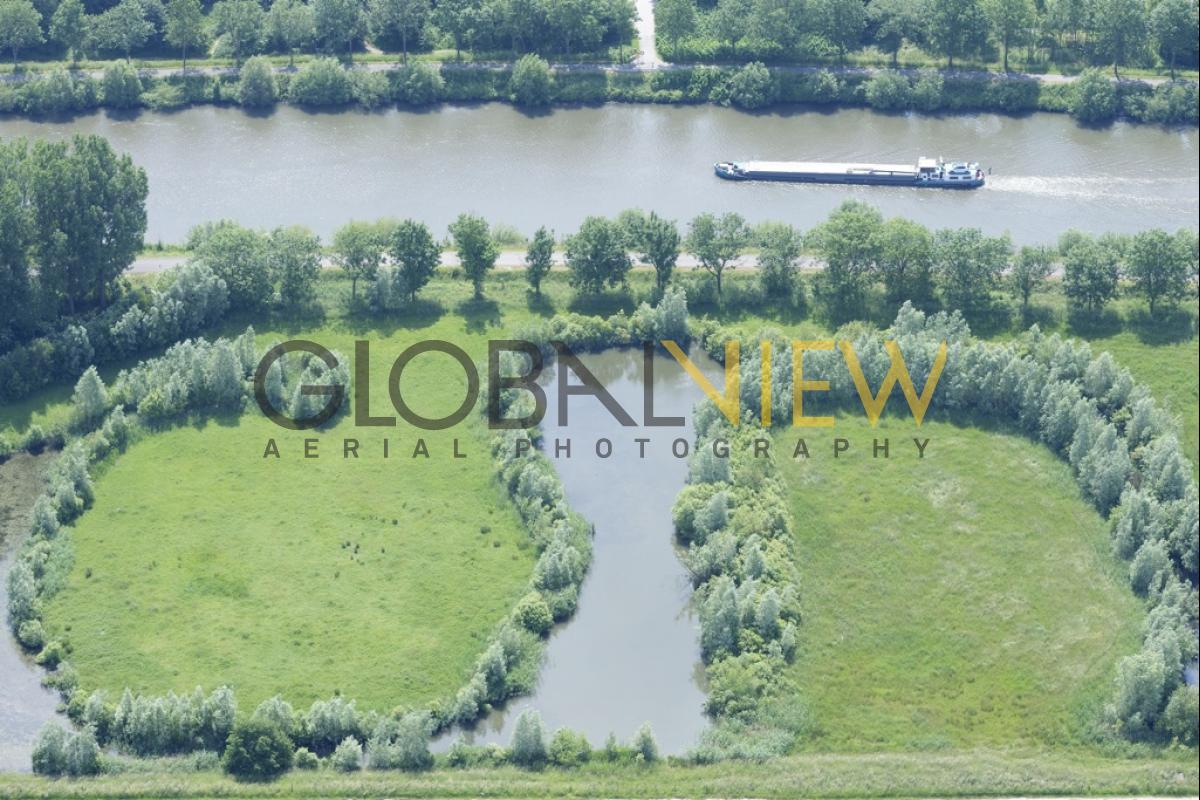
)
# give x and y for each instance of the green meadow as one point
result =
(963, 599)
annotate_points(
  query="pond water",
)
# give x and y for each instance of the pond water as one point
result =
(631, 653)
(321, 170)
(25, 705)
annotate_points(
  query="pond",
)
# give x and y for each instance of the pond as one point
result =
(631, 653)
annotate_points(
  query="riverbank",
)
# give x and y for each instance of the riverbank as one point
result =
(988, 773)
(375, 85)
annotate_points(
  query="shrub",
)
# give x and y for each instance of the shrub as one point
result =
(257, 750)
(532, 82)
(347, 756)
(644, 744)
(927, 91)
(51, 94)
(1182, 715)
(568, 749)
(529, 740)
(305, 759)
(164, 97)
(889, 91)
(122, 86)
(371, 89)
(61, 752)
(31, 635)
(401, 743)
(750, 87)
(90, 401)
(1093, 98)
(419, 84)
(321, 82)
(533, 614)
(257, 87)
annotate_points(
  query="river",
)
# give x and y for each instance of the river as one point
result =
(631, 653)
(323, 169)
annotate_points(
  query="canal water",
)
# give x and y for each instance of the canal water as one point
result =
(323, 169)
(25, 705)
(631, 653)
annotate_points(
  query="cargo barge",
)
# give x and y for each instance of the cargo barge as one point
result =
(927, 172)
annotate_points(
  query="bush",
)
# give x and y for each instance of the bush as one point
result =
(31, 635)
(529, 740)
(257, 751)
(321, 82)
(371, 89)
(50, 94)
(533, 614)
(419, 84)
(305, 759)
(568, 749)
(1093, 98)
(401, 743)
(889, 91)
(164, 97)
(644, 744)
(122, 86)
(257, 87)
(60, 752)
(750, 87)
(347, 756)
(1182, 715)
(532, 82)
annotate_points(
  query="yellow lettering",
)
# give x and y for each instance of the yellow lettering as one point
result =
(729, 403)
(800, 385)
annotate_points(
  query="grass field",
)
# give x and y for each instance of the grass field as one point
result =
(962, 600)
(204, 563)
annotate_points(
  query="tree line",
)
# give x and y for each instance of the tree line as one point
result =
(1107, 32)
(238, 29)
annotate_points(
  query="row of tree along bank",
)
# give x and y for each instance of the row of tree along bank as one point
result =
(532, 83)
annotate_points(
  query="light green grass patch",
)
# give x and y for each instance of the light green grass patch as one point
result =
(965, 599)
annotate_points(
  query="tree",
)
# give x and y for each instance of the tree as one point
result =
(16, 242)
(529, 740)
(476, 249)
(68, 27)
(257, 751)
(1160, 267)
(1173, 23)
(841, 22)
(717, 242)
(90, 400)
(1119, 30)
(237, 256)
(1090, 275)
(1030, 269)
(415, 254)
(575, 24)
(779, 248)
(848, 244)
(403, 17)
(659, 239)
(894, 21)
(358, 248)
(729, 20)
(294, 259)
(956, 28)
(539, 258)
(968, 265)
(123, 27)
(1092, 98)
(456, 18)
(185, 26)
(256, 84)
(240, 24)
(644, 744)
(20, 26)
(597, 256)
(339, 24)
(532, 82)
(1010, 21)
(906, 261)
(291, 26)
(89, 234)
(401, 743)
(675, 19)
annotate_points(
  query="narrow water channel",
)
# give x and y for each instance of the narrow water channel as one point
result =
(25, 705)
(631, 653)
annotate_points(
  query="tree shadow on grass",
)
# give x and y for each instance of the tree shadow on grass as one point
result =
(603, 304)
(1094, 324)
(540, 305)
(415, 315)
(480, 314)
(1169, 326)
